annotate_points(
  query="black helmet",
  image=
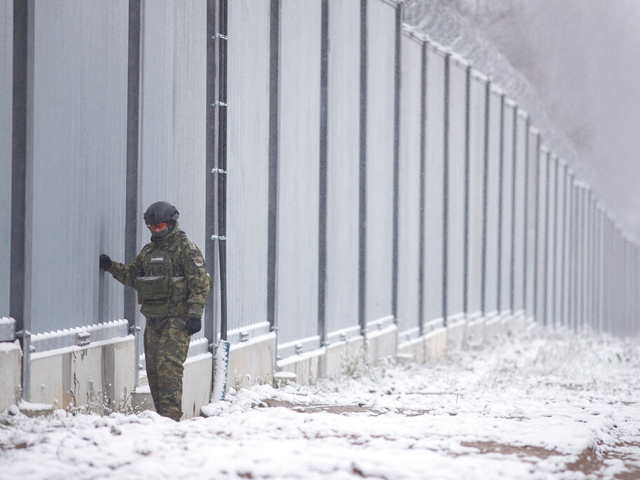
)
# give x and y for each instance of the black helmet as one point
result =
(160, 212)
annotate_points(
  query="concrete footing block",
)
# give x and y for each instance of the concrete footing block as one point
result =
(455, 334)
(435, 344)
(10, 374)
(343, 358)
(305, 366)
(415, 350)
(252, 362)
(382, 344)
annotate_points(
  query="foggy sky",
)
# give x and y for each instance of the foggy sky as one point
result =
(583, 58)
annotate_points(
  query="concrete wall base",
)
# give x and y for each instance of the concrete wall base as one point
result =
(252, 362)
(435, 344)
(455, 334)
(343, 358)
(474, 332)
(415, 348)
(305, 366)
(10, 374)
(493, 327)
(382, 344)
(98, 377)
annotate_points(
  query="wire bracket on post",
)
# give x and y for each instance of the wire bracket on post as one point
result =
(219, 170)
(219, 104)
(218, 237)
(219, 36)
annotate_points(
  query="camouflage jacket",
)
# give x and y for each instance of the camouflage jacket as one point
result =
(174, 269)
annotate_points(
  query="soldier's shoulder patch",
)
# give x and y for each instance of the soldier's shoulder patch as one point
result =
(198, 261)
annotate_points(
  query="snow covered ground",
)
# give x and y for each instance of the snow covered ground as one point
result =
(547, 405)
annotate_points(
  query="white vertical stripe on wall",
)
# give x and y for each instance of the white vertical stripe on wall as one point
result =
(298, 183)
(456, 190)
(380, 136)
(434, 186)
(343, 166)
(476, 193)
(248, 162)
(409, 199)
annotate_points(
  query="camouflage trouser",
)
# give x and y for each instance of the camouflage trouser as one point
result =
(166, 343)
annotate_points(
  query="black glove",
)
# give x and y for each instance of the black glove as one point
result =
(105, 262)
(194, 324)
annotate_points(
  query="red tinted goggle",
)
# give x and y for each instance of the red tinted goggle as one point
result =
(157, 227)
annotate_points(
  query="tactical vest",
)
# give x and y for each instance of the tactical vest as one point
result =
(162, 291)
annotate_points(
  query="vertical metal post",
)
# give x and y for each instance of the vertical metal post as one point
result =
(133, 120)
(545, 295)
(514, 173)
(565, 247)
(21, 188)
(570, 251)
(526, 216)
(423, 179)
(362, 226)
(467, 181)
(210, 317)
(536, 247)
(445, 180)
(222, 162)
(274, 117)
(396, 159)
(554, 297)
(324, 139)
(485, 198)
(131, 200)
(500, 203)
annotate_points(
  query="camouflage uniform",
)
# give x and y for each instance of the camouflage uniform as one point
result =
(172, 283)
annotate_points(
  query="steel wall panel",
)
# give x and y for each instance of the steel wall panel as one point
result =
(520, 214)
(506, 221)
(434, 186)
(248, 162)
(6, 116)
(381, 20)
(476, 194)
(561, 245)
(298, 183)
(493, 206)
(456, 189)
(172, 163)
(343, 166)
(532, 221)
(410, 179)
(541, 239)
(550, 267)
(79, 158)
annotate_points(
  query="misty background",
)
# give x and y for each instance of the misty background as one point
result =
(574, 65)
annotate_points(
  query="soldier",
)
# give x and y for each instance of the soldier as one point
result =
(172, 284)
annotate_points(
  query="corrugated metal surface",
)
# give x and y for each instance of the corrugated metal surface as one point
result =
(476, 194)
(298, 183)
(493, 206)
(456, 191)
(560, 247)
(380, 110)
(172, 164)
(248, 162)
(410, 179)
(343, 166)
(506, 221)
(6, 114)
(550, 268)
(79, 153)
(532, 222)
(541, 237)
(434, 184)
(520, 214)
